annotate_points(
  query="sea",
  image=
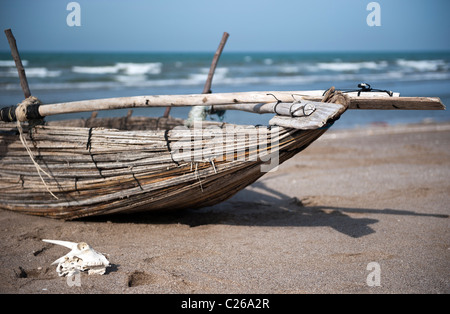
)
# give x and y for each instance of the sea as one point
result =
(61, 77)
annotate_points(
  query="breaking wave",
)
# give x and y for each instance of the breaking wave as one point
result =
(11, 63)
(153, 68)
(423, 65)
(350, 66)
(31, 72)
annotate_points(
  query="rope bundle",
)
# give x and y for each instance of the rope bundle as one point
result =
(27, 110)
(332, 95)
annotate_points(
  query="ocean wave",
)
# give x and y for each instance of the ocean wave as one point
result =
(65, 86)
(140, 68)
(423, 65)
(348, 66)
(11, 63)
(197, 78)
(32, 72)
(139, 81)
(95, 70)
(243, 71)
(337, 66)
(290, 69)
(128, 68)
(130, 79)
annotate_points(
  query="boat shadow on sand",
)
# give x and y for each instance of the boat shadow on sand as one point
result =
(264, 206)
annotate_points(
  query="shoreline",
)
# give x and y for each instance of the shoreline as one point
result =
(354, 197)
(385, 129)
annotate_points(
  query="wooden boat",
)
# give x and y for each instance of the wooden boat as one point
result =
(72, 169)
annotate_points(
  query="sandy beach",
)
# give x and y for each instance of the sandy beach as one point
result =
(377, 195)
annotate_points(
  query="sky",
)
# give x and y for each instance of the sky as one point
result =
(253, 25)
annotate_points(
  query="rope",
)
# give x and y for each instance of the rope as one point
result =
(197, 113)
(28, 109)
(332, 95)
(275, 106)
(21, 115)
(8, 114)
(365, 88)
(198, 176)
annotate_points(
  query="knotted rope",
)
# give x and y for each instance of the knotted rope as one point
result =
(332, 95)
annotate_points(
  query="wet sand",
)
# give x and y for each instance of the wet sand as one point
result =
(380, 194)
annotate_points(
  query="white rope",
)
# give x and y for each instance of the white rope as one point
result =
(197, 113)
(21, 116)
(198, 176)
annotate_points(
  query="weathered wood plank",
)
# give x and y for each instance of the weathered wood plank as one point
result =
(393, 103)
(323, 113)
(401, 103)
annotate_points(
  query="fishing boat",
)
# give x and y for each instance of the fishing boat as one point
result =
(76, 168)
(71, 169)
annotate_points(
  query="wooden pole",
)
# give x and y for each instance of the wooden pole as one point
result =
(212, 69)
(395, 103)
(234, 101)
(18, 61)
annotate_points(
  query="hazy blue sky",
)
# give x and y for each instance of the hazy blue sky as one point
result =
(254, 25)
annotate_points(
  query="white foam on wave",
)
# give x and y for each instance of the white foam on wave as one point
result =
(336, 66)
(95, 70)
(422, 65)
(140, 68)
(348, 66)
(289, 69)
(122, 79)
(197, 78)
(141, 81)
(66, 86)
(130, 79)
(127, 68)
(11, 63)
(32, 72)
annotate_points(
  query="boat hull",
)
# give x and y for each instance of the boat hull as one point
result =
(92, 168)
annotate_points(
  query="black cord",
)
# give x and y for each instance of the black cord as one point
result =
(365, 88)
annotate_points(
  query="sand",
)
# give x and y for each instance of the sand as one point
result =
(378, 195)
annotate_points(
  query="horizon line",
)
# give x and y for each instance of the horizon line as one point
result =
(234, 51)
